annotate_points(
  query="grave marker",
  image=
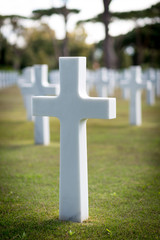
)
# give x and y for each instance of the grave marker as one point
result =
(39, 87)
(26, 82)
(102, 82)
(150, 78)
(73, 107)
(135, 85)
(158, 82)
(125, 77)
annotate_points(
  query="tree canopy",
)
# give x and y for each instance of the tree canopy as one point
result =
(150, 45)
(49, 12)
(65, 12)
(153, 13)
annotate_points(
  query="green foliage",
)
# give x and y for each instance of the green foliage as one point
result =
(65, 12)
(78, 47)
(6, 53)
(17, 29)
(149, 35)
(71, 233)
(98, 18)
(149, 45)
(51, 11)
(123, 170)
(139, 39)
(12, 17)
(153, 12)
(39, 46)
(145, 40)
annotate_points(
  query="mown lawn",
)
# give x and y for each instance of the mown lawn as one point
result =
(123, 172)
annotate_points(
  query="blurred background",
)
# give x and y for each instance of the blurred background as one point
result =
(110, 33)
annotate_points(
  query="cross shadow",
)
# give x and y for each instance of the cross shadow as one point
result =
(33, 228)
(17, 147)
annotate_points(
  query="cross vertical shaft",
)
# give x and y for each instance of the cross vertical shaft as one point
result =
(135, 102)
(73, 152)
(73, 171)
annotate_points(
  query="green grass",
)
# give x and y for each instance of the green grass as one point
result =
(123, 171)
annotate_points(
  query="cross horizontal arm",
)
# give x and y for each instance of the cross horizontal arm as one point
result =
(124, 84)
(27, 89)
(142, 85)
(51, 89)
(103, 108)
(45, 106)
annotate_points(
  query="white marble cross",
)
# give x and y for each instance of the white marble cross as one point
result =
(54, 76)
(25, 84)
(105, 82)
(90, 80)
(158, 82)
(39, 87)
(135, 85)
(125, 77)
(73, 107)
(40, 84)
(150, 93)
(150, 78)
(102, 82)
(135, 101)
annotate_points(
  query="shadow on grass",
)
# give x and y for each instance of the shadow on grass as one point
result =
(17, 147)
(33, 228)
(25, 144)
(103, 125)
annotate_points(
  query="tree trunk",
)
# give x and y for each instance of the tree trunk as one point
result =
(65, 50)
(139, 47)
(109, 55)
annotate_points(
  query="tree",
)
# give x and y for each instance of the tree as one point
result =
(105, 18)
(17, 29)
(150, 50)
(39, 48)
(6, 54)
(65, 12)
(152, 13)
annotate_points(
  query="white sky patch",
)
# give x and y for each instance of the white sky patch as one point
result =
(98, 29)
(131, 5)
(120, 27)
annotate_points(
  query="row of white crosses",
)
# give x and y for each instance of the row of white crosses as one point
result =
(106, 80)
(38, 86)
(8, 78)
(132, 81)
(131, 85)
(150, 76)
(102, 79)
(73, 107)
